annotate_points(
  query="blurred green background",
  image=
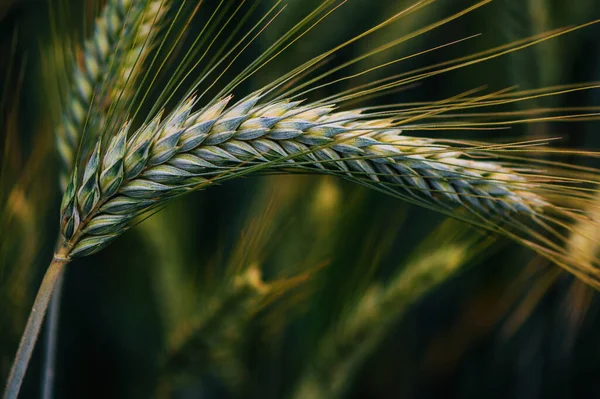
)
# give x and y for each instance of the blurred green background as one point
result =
(283, 286)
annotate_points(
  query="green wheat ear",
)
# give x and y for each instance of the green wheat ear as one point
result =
(368, 318)
(128, 175)
(189, 149)
(112, 61)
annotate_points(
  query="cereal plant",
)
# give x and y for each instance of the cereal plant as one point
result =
(150, 101)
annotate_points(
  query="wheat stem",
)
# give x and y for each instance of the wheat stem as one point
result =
(50, 342)
(34, 323)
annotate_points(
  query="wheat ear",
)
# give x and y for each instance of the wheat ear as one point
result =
(361, 328)
(187, 150)
(111, 60)
(149, 19)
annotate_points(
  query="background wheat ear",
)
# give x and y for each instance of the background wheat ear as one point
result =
(104, 74)
(364, 322)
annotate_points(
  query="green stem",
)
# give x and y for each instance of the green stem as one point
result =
(32, 329)
(50, 341)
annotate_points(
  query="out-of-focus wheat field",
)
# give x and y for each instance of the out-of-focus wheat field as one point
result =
(306, 286)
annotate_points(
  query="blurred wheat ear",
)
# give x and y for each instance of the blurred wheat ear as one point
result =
(366, 320)
(115, 172)
(104, 75)
(211, 337)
